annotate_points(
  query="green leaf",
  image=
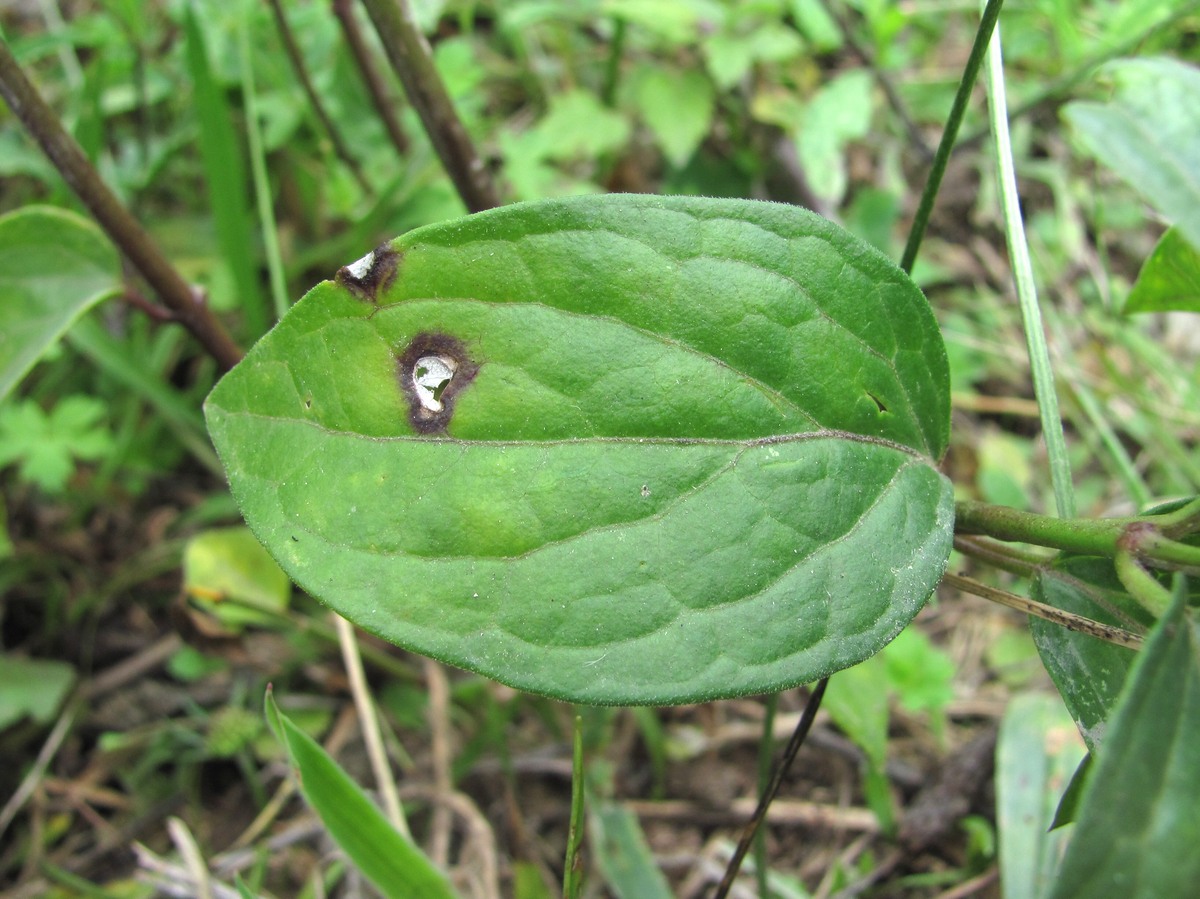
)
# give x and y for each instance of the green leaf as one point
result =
(1169, 279)
(1036, 751)
(1139, 823)
(46, 446)
(685, 448)
(1088, 672)
(622, 854)
(678, 107)
(54, 265)
(32, 687)
(1149, 133)
(384, 856)
(229, 564)
(840, 112)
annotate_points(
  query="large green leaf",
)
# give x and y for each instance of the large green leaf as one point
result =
(1088, 672)
(614, 449)
(53, 266)
(1149, 133)
(1139, 822)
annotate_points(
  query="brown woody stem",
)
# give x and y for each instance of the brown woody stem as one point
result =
(117, 221)
(412, 59)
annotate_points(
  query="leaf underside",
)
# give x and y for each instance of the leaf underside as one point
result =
(686, 450)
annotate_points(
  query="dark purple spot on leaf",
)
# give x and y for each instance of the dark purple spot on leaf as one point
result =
(433, 370)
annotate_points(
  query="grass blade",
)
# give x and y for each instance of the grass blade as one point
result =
(1031, 314)
(385, 857)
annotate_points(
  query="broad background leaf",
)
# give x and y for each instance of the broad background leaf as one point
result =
(1149, 133)
(696, 460)
(1139, 823)
(1169, 279)
(54, 265)
(1036, 751)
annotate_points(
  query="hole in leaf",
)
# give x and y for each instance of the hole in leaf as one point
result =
(432, 370)
(431, 376)
(878, 402)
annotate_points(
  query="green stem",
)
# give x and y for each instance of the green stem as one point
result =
(258, 168)
(1082, 535)
(612, 68)
(573, 867)
(296, 57)
(937, 170)
(1142, 585)
(1031, 314)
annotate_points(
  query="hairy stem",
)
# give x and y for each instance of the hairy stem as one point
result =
(117, 221)
(412, 59)
(1083, 535)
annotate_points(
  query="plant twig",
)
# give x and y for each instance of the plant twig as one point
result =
(369, 722)
(573, 866)
(1069, 620)
(1141, 584)
(413, 61)
(881, 78)
(1084, 535)
(314, 100)
(803, 726)
(958, 109)
(363, 58)
(122, 228)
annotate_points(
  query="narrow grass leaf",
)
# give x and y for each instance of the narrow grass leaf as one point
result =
(54, 266)
(225, 177)
(1139, 823)
(618, 450)
(622, 854)
(393, 863)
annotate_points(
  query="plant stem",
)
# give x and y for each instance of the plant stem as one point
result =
(118, 223)
(258, 169)
(867, 58)
(1142, 585)
(803, 726)
(958, 109)
(998, 555)
(1083, 535)
(371, 77)
(1107, 632)
(314, 100)
(1031, 315)
(572, 866)
(412, 59)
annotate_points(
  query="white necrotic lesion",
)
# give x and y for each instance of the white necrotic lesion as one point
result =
(431, 375)
(358, 270)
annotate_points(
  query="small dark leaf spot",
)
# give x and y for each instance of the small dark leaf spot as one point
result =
(878, 402)
(433, 370)
(371, 274)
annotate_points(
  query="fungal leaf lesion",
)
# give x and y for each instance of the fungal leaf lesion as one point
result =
(433, 369)
(366, 278)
